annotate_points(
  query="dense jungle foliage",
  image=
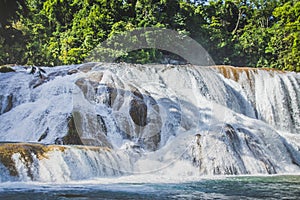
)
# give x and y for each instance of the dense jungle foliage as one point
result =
(256, 33)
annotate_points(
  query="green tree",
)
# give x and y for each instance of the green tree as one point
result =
(254, 37)
(284, 45)
(11, 38)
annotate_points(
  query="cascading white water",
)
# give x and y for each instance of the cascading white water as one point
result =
(273, 95)
(158, 119)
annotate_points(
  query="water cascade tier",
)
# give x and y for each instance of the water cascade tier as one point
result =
(93, 120)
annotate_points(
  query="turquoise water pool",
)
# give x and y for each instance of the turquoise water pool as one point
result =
(251, 187)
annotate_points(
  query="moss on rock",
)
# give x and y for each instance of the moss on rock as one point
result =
(6, 68)
(26, 150)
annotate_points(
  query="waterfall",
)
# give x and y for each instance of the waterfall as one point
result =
(102, 119)
(273, 95)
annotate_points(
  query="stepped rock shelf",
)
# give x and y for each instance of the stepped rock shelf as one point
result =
(92, 120)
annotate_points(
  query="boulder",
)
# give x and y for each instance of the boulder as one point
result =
(138, 112)
(72, 136)
(6, 103)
